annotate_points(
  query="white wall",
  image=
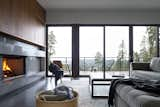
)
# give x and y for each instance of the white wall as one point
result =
(103, 17)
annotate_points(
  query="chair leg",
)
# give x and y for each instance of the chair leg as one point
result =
(55, 82)
(61, 80)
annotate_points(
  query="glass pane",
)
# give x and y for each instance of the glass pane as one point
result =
(59, 46)
(144, 43)
(117, 50)
(91, 51)
(101, 90)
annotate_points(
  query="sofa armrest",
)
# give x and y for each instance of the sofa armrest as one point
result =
(147, 101)
(140, 66)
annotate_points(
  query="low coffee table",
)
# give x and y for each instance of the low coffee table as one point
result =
(102, 82)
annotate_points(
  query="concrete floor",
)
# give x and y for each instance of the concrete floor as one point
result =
(26, 97)
(22, 98)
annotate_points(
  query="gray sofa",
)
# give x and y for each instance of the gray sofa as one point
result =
(127, 96)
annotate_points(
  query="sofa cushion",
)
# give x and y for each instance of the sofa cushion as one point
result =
(137, 98)
(155, 64)
(145, 75)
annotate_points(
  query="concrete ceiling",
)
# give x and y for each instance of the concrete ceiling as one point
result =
(100, 4)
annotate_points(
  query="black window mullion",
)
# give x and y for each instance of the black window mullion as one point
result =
(157, 41)
(46, 51)
(130, 46)
(75, 50)
(104, 52)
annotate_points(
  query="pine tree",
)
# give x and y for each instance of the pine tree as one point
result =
(121, 62)
(148, 46)
(144, 56)
(152, 32)
(98, 60)
(51, 44)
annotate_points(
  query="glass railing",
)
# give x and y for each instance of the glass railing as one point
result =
(113, 65)
(117, 66)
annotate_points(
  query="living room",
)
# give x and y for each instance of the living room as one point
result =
(95, 42)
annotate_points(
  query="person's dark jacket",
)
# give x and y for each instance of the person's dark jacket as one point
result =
(55, 69)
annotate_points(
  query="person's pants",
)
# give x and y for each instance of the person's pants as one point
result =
(58, 75)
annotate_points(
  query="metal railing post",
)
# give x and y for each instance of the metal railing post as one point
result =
(84, 63)
(66, 63)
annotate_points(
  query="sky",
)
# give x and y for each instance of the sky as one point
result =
(91, 40)
(63, 36)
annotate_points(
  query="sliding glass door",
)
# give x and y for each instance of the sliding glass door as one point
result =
(91, 50)
(144, 43)
(117, 50)
(59, 46)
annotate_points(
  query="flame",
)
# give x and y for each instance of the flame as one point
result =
(5, 65)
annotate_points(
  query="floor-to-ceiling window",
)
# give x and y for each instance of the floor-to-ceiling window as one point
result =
(144, 43)
(59, 46)
(91, 50)
(97, 42)
(117, 50)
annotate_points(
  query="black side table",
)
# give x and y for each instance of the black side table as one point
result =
(99, 82)
(102, 82)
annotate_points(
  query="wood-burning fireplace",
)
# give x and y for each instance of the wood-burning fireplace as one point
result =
(19, 58)
(13, 66)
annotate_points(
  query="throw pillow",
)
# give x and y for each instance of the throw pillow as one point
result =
(155, 64)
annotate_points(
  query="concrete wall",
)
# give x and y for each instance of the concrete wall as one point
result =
(32, 54)
(103, 17)
(32, 65)
(10, 46)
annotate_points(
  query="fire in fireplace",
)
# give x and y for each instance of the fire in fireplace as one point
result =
(12, 66)
(7, 72)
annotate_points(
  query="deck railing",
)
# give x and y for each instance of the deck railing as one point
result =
(95, 64)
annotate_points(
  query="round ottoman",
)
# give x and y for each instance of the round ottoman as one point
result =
(66, 103)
